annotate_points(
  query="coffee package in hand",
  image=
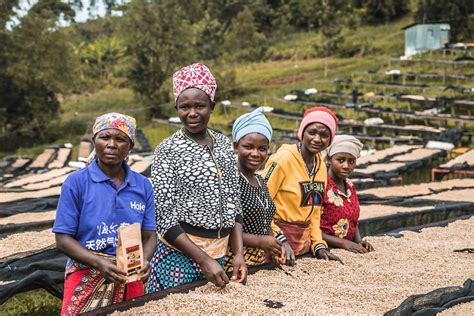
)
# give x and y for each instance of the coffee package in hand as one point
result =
(130, 251)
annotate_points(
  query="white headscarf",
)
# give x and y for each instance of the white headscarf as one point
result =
(345, 144)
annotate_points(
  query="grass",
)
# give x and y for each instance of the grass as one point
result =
(89, 106)
(156, 132)
(37, 302)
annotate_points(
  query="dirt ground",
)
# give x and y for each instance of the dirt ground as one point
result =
(366, 284)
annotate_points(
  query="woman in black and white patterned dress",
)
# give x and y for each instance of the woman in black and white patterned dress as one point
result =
(196, 183)
(252, 134)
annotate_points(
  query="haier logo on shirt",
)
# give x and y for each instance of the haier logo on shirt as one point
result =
(137, 206)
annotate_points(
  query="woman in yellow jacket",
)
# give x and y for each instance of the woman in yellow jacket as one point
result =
(296, 178)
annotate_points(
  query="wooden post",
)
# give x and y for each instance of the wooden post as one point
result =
(325, 68)
(444, 74)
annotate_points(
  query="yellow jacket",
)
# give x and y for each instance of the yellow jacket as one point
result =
(297, 197)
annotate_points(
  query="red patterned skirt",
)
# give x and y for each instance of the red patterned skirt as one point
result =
(85, 289)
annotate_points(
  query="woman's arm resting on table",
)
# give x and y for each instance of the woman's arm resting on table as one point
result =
(342, 243)
(210, 267)
(239, 273)
(363, 243)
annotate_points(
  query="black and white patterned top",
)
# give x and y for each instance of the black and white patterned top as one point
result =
(189, 191)
(257, 207)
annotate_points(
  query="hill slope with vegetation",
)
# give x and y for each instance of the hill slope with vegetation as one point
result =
(55, 80)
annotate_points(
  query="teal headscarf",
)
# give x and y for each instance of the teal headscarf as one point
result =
(253, 122)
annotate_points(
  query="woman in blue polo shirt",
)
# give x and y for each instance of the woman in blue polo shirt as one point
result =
(94, 203)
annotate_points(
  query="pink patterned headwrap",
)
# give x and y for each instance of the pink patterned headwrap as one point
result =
(194, 76)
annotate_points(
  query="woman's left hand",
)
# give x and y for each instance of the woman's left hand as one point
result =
(366, 245)
(239, 272)
(326, 255)
(145, 270)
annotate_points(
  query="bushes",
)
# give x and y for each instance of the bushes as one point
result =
(56, 130)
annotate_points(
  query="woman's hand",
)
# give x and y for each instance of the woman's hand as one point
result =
(354, 247)
(214, 272)
(326, 255)
(110, 271)
(289, 254)
(366, 245)
(145, 270)
(239, 272)
(270, 245)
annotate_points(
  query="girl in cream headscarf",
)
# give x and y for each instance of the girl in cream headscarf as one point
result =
(340, 212)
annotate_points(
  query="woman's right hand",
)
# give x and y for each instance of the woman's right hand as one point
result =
(325, 254)
(110, 271)
(270, 245)
(214, 272)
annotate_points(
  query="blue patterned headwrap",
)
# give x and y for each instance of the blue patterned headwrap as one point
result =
(253, 122)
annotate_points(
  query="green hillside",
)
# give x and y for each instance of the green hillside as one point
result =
(259, 52)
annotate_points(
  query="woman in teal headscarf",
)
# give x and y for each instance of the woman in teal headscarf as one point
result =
(252, 134)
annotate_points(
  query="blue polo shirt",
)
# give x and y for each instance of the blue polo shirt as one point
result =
(91, 208)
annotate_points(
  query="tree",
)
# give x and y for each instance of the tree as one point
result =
(454, 12)
(209, 37)
(159, 39)
(98, 58)
(243, 39)
(382, 11)
(330, 18)
(36, 64)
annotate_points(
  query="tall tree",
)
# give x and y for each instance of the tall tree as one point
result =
(329, 18)
(244, 40)
(36, 65)
(209, 37)
(159, 38)
(381, 11)
(454, 12)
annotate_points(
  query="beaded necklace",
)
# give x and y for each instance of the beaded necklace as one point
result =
(311, 175)
(313, 171)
